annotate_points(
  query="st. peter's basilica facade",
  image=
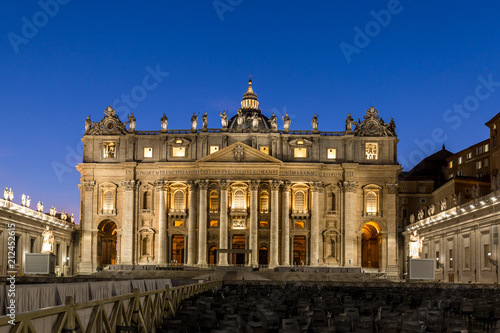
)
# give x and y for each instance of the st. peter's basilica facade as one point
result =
(246, 193)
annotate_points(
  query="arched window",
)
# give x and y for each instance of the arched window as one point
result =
(299, 201)
(331, 201)
(214, 201)
(264, 202)
(108, 201)
(179, 200)
(371, 203)
(146, 200)
(239, 199)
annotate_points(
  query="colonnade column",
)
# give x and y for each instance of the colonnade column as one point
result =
(254, 241)
(274, 241)
(285, 255)
(128, 243)
(202, 223)
(162, 223)
(392, 245)
(86, 266)
(191, 245)
(223, 184)
(317, 186)
(350, 240)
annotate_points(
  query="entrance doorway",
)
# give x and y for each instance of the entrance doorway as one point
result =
(370, 247)
(299, 250)
(212, 255)
(263, 255)
(238, 243)
(106, 243)
(178, 249)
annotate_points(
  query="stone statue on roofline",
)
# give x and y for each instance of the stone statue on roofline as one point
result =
(240, 119)
(11, 194)
(442, 205)
(314, 123)
(131, 121)
(286, 123)
(273, 121)
(39, 206)
(6, 194)
(28, 201)
(23, 200)
(223, 119)
(204, 120)
(412, 218)
(194, 122)
(164, 123)
(88, 124)
(348, 123)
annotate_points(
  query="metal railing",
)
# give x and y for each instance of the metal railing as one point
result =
(145, 311)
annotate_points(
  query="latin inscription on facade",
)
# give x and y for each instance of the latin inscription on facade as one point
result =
(235, 172)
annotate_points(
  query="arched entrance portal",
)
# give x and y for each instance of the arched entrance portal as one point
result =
(299, 250)
(263, 256)
(177, 249)
(106, 243)
(238, 243)
(370, 247)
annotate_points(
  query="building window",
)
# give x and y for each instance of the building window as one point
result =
(479, 164)
(264, 202)
(58, 254)
(486, 147)
(469, 155)
(450, 164)
(300, 152)
(460, 173)
(178, 223)
(479, 175)
(486, 162)
(239, 199)
(32, 245)
(146, 200)
(331, 202)
(109, 150)
(331, 153)
(214, 201)
(299, 202)
(214, 223)
(486, 255)
(460, 160)
(179, 151)
(179, 200)
(299, 224)
(450, 259)
(214, 149)
(421, 188)
(263, 224)
(371, 151)
(264, 149)
(148, 152)
(437, 259)
(467, 257)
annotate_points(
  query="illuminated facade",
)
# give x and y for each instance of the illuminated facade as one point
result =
(273, 197)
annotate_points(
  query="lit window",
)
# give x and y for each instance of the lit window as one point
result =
(479, 164)
(179, 200)
(300, 142)
(264, 149)
(239, 200)
(299, 224)
(109, 149)
(264, 224)
(148, 152)
(469, 155)
(300, 152)
(178, 223)
(179, 151)
(264, 202)
(450, 164)
(178, 141)
(460, 160)
(486, 147)
(371, 203)
(214, 201)
(214, 223)
(331, 153)
(239, 224)
(214, 149)
(299, 201)
(371, 151)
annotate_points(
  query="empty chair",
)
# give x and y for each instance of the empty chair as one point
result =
(342, 323)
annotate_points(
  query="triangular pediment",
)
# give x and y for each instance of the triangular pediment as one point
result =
(239, 153)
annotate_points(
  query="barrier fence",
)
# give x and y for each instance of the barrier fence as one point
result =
(136, 312)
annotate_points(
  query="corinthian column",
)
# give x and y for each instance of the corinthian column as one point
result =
(315, 207)
(390, 198)
(254, 241)
(285, 255)
(191, 241)
(86, 266)
(274, 242)
(349, 189)
(223, 222)
(202, 223)
(162, 223)
(128, 243)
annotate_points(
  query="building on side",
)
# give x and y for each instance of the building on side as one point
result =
(264, 196)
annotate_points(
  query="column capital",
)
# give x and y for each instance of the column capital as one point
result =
(202, 184)
(392, 188)
(88, 185)
(254, 185)
(347, 186)
(191, 185)
(286, 185)
(130, 185)
(223, 184)
(317, 186)
(275, 184)
(160, 184)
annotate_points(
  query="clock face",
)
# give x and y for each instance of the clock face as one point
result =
(371, 127)
(109, 125)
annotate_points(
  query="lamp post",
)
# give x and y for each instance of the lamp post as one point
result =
(494, 263)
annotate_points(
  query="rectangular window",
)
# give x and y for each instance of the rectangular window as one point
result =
(486, 256)
(179, 151)
(479, 150)
(460, 160)
(450, 259)
(178, 223)
(109, 150)
(300, 152)
(371, 151)
(332, 153)
(437, 259)
(299, 224)
(148, 152)
(263, 224)
(486, 162)
(421, 188)
(486, 147)
(479, 175)
(469, 155)
(214, 149)
(214, 223)
(450, 164)
(467, 257)
(58, 254)
(32, 245)
(264, 149)
(479, 164)
(460, 173)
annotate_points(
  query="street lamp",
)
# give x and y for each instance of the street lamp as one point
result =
(494, 263)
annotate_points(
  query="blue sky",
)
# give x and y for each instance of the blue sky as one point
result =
(433, 66)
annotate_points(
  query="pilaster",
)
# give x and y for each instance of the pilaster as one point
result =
(191, 245)
(285, 229)
(349, 189)
(128, 244)
(86, 266)
(162, 222)
(223, 184)
(274, 241)
(202, 223)
(254, 204)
